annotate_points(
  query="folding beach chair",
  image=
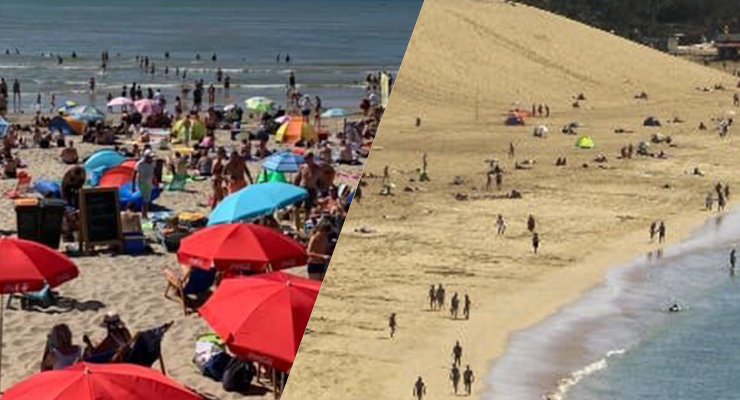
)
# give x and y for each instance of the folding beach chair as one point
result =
(195, 282)
(145, 348)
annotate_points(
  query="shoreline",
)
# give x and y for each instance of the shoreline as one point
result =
(688, 226)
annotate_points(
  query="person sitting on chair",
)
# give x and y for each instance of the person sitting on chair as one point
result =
(117, 337)
(130, 219)
(59, 352)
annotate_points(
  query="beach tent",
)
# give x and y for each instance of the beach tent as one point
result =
(67, 125)
(87, 114)
(4, 126)
(117, 177)
(651, 121)
(101, 161)
(296, 130)
(585, 142)
(514, 119)
(197, 130)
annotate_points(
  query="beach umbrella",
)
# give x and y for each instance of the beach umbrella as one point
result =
(27, 266)
(241, 247)
(283, 162)
(335, 113)
(262, 318)
(117, 177)
(67, 125)
(87, 114)
(4, 126)
(86, 381)
(120, 102)
(256, 201)
(260, 104)
(148, 106)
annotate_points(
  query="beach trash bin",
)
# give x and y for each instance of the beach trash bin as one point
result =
(50, 227)
(28, 218)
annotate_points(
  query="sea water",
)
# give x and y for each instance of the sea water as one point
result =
(619, 342)
(333, 45)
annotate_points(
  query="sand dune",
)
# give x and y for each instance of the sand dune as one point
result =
(588, 218)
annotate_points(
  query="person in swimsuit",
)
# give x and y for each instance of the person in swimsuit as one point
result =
(319, 252)
(59, 352)
(117, 336)
(236, 168)
(217, 180)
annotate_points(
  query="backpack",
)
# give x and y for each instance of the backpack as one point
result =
(238, 376)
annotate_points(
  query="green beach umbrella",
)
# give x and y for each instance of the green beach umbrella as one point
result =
(260, 104)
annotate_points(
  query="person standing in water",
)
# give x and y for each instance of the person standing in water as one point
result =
(17, 96)
(500, 225)
(432, 298)
(653, 230)
(661, 232)
(733, 261)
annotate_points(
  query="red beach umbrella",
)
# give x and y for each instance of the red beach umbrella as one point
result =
(262, 318)
(27, 266)
(117, 177)
(241, 247)
(85, 381)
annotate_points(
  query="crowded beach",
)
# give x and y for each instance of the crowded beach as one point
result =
(181, 241)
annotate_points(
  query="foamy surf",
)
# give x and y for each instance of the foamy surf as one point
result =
(566, 384)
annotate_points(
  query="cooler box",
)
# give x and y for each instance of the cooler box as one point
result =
(134, 244)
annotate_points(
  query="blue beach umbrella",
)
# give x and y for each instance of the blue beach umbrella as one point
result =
(335, 113)
(256, 201)
(283, 162)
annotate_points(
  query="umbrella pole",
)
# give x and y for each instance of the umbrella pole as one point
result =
(2, 311)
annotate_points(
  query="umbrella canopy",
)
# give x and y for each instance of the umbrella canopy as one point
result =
(148, 106)
(260, 104)
(27, 266)
(197, 129)
(295, 130)
(262, 318)
(117, 177)
(4, 126)
(283, 162)
(69, 104)
(120, 102)
(85, 381)
(87, 114)
(335, 113)
(241, 247)
(256, 201)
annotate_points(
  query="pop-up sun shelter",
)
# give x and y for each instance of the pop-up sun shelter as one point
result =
(66, 125)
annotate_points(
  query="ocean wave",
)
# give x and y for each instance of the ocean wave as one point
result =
(566, 384)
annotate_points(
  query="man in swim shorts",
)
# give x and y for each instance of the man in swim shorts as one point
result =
(144, 181)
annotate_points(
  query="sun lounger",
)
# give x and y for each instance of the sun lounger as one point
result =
(193, 282)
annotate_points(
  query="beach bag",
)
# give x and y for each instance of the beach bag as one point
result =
(238, 376)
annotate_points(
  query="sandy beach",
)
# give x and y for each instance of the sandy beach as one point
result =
(468, 64)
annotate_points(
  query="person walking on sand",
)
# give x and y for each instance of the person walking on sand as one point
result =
(440, 297)
(547, 111)
(531, 223)
(420, 389)
(661, 232)
(654, 229)
(535, 242)
(500, 225)
(727, 191)
(512, 150)
(708, 202)
(457, 352)
(423, 175)
(499, 180)
(468, 379)
(392, 324)
(455, 377)
(432, 298)
(466, 307)
(454, 306)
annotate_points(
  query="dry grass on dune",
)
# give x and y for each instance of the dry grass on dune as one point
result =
(588, 218)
